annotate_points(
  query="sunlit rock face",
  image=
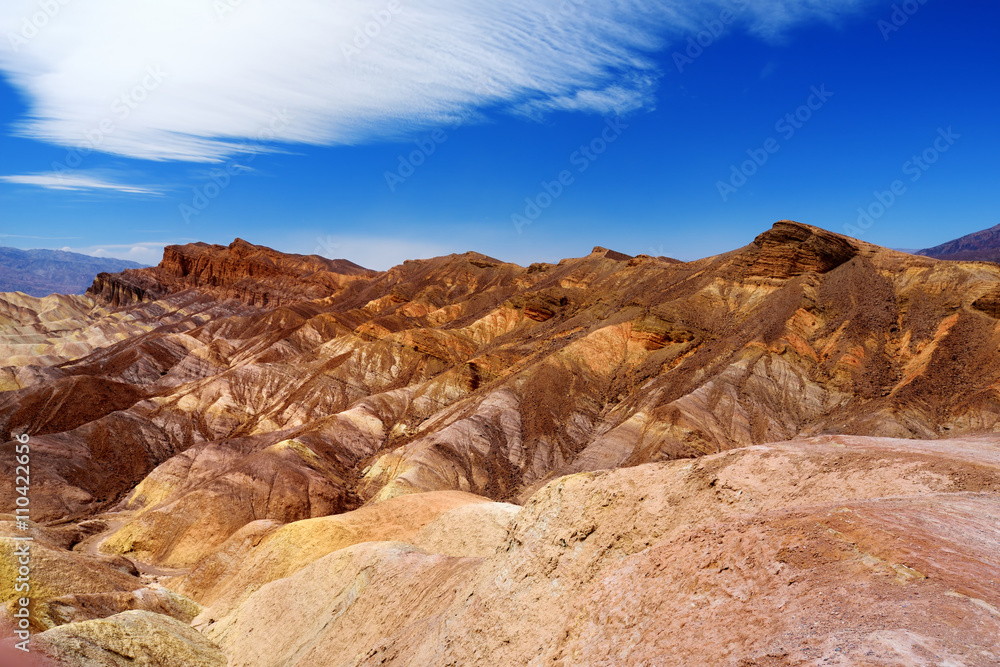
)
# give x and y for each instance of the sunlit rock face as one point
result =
(786, 425)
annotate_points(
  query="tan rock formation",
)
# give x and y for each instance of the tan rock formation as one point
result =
(225, 578)
(127, 639)
(55, 571)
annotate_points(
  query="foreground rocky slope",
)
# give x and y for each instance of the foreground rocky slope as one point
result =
(246, 423)
(833, 550)
(839, 550)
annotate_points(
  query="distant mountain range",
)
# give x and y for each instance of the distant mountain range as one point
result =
(981, 246)
(44, 272)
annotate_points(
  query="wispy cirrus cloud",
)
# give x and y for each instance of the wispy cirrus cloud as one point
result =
(77, 181)
(193, 79)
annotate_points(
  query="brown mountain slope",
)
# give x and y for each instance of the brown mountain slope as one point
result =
(463, 372)
(981, 246)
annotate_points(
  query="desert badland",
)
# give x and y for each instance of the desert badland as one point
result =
(787, 454)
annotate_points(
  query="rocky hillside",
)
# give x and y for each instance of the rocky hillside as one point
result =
(799, 434)
(45, 272)
(981, 246)
(253, 274)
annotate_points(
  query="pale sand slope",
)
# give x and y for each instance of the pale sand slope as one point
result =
(99, 620)
(834, 550)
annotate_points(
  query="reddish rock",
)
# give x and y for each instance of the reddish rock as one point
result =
(253, 274)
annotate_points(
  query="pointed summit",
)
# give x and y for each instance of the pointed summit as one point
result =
(599, 251)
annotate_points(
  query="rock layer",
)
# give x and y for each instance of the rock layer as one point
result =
(464, 372)
(127, 639)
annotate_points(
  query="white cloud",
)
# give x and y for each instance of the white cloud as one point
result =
(77, 181)
(194, 79)
(149, 253)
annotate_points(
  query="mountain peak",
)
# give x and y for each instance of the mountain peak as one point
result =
(240, 244)
(606, 253)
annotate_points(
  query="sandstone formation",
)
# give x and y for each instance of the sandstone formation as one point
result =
(775, 456)
(127, 639)
(448, 522)
(56, 571)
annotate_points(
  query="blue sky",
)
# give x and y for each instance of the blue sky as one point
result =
(495, 103)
